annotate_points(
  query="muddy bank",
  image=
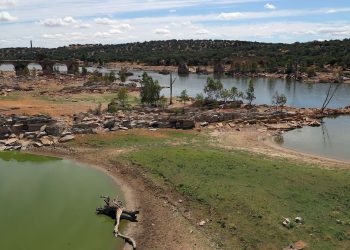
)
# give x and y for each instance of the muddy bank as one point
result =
(161, 223)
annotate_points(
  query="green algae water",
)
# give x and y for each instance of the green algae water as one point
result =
(48, 203)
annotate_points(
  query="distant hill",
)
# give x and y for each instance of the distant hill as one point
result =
(197, 52)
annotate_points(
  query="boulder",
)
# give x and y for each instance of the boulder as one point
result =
(46, 141)
(53, 130)
(109, 124)
(219, 68)
(11, 141)
(66, 138)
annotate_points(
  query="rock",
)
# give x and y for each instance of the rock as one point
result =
(299, 220)
(43, 128)
(183, 69)
(2, 148)
(204, 124)
(37, 144)
(300, 245)
(286, 223)
(11, 141)
(46, 141)
(202, 223)
(66, 138)
(219, 68)
(109, 124)
(202, 70)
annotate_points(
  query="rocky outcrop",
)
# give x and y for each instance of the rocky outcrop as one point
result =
(219, 68)
(88, 123)
(21, 132)
(202, 70)
(183, 69)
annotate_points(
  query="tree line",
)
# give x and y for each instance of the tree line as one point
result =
(245, 56)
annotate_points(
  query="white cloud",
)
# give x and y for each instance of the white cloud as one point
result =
(6, 17)
(123, 26)
(4, 4)
(270, 6)
(67, 37)
(203, 32)
(81, 25)
(66, 21)
(102, 34)
(115, 24)
(230, 16)
(115, 31)
(162, 31)
(105, 21)
(58, 22)
(53, 36)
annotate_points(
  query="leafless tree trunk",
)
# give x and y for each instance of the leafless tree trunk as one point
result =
(330, 94)
(171, 87)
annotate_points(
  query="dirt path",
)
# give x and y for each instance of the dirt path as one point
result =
(161, 224)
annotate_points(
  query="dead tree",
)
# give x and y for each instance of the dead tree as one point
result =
(171, 87)
(329, 95)
(116, 211)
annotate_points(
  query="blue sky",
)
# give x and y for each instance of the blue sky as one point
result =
(63, 22)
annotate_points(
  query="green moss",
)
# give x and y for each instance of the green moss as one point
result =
(23, 157)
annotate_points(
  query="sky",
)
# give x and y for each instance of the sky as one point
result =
(63, 22)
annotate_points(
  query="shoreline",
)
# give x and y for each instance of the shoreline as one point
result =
(252, 139)
(269, 142)
(128, 194)
(141, 193)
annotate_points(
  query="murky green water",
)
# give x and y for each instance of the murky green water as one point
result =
(49, 204)
(331, 140)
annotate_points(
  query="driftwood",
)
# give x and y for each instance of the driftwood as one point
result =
(116, 211)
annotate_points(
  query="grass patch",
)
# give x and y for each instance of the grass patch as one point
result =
(11, 97)
(24, 157)
(246, 195)
(87, 98)
(136, 138)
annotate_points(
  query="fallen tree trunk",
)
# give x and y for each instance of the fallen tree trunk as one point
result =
(116, 211)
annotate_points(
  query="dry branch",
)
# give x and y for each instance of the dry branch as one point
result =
(116, 211)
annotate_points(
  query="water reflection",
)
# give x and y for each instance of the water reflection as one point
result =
(331, 139)
(298, 94)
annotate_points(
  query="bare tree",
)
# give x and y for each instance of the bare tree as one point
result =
(171, 87)
(333, 87)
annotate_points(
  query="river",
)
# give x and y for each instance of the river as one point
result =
(48, 203)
